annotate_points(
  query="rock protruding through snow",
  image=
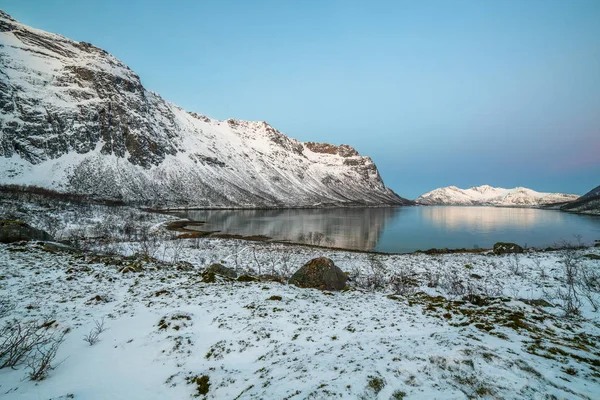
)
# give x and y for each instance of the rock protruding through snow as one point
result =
(221, 270)
(507, 248)
(319, 273)
(15, 231)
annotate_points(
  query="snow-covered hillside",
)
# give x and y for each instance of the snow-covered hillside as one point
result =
(73, 118)
(589, 203)
(487, 195)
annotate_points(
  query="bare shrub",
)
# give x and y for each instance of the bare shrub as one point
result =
(514, 263)
(537, 263)
(6, 306)
(493, 288)
(258, 265)
(404, 282)
(590, 286)
(569, 293)
(93, 336)
(376, 279)
(77, 237)
(285, 268)
(453, 283)
(50, 223)
(148, 242)
(41, 359)
(19, 339)
(271, 259)
(176, 246)
(432, 278)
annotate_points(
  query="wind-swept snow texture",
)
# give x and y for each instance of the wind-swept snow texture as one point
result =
(487, 195)
(73, 118)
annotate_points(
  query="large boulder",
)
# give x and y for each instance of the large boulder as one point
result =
(504, 248)
(220, 269)
(15, 231)
(319, 273)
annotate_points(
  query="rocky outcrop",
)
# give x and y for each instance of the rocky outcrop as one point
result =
(325, 148)
(16, 231)
(319, 273)
(75, 119)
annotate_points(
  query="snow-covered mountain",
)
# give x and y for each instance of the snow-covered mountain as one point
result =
(75, 119)
(487, 195)
(589, 203)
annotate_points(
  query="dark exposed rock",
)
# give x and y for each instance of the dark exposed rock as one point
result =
(343, 150)
(537, 302)
(504, 248)
(319, 273)
(16, 231)
(220, 269)
(247, 278)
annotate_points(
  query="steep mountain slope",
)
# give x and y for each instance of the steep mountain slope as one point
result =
(589, 203)
(487, 195)
(73, 118)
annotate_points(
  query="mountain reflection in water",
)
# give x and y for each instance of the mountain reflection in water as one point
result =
(350, 228)
(404, 229)
(487, 219)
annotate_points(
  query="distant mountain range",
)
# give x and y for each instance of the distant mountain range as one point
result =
(75, 119)
(487, 195)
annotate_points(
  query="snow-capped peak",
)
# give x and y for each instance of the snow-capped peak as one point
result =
(488, 195)
(79, 120)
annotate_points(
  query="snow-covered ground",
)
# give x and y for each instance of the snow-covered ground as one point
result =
(409, 326)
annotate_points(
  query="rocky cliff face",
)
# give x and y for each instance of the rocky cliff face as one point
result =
(75, 119)
(487, 195)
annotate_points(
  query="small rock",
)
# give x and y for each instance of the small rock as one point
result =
(506, 248)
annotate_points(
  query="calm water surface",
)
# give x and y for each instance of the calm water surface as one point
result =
(405, 229)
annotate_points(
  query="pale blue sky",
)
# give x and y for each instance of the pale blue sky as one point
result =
(438, 93)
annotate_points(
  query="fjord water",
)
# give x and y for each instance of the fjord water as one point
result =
(405, 229)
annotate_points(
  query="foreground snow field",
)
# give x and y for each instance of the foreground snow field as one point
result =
(447, 326)
(270, 340)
